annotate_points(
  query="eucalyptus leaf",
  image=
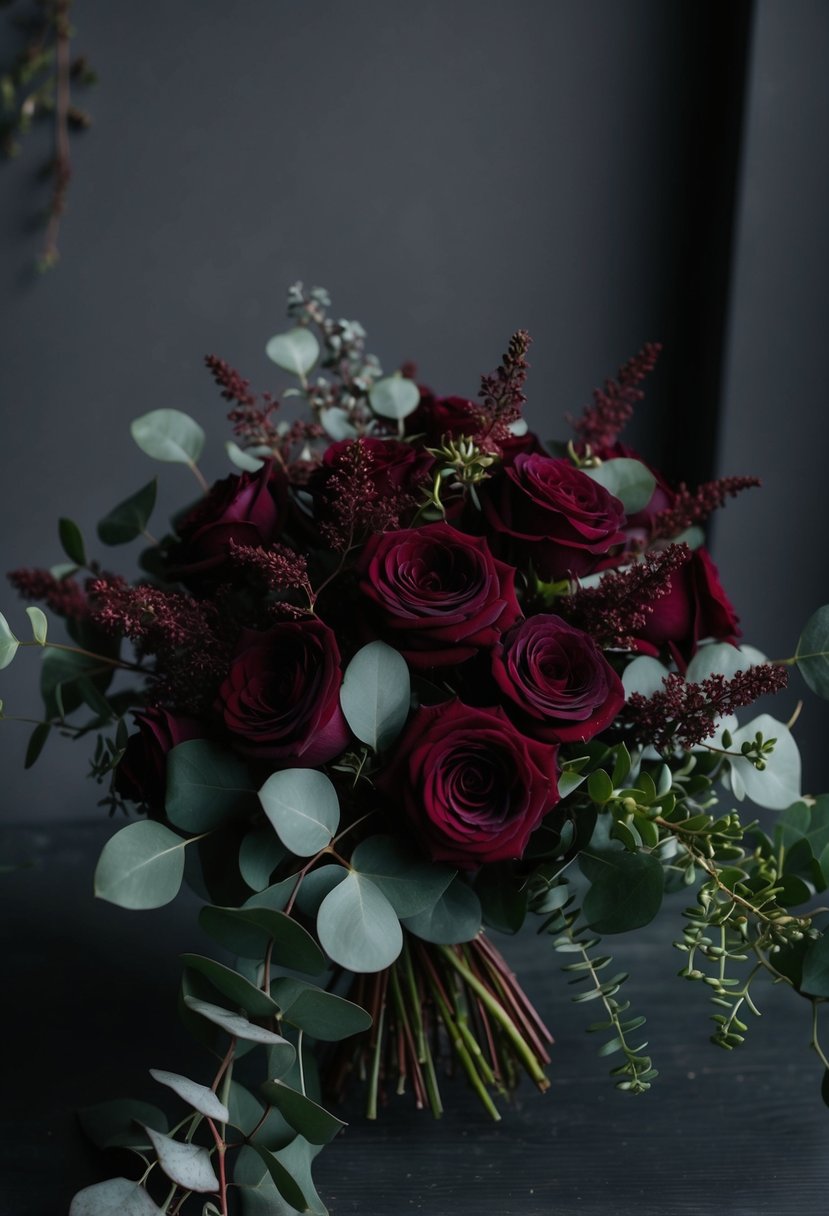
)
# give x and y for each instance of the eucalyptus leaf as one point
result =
(115, 1197)
(248, 930)
(189, 1165)
(168, 435)
(303, 807)
(320, 1014)
(206, 785)
(36, 743)
(408, 883)
(626, 889)
(644, 675)
(259, 855)
(255, 1002)
(375, 694)
(717, 658)
(812, 654)
(141, 866)
(60, 676)
(628, 480)
(394, 397)
(358, 927)
(199, 1097)
(130, 518)
(316, 885)
(242, 459)
(295, 351)
(311, 1120)
(503, 896)
(337, 424)
(282, 1179)
(233, 1023)
(456, 917)
(8, 643)
(39, 623)
(778, 785)
(115, 1124)
(246, 1114)
(71, 541)
(815, 979)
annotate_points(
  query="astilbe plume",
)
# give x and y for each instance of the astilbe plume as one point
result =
(616, 609)
(279, 570)
(502, 394)
(357, 506)
(685, 714)
(602, 422)
(694, 506)
(251, 413)
(187, 637)
(64, 596)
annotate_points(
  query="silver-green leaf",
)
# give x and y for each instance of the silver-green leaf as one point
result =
(39, 623)
(115, 1197)
(141, 866)
(303, 807)
(358, 927)
(375, 694)
(200, 1097)
(628, 480)
(189, 1165)
(394, 397)
(8, 643)
(169, 435)
(295, 351)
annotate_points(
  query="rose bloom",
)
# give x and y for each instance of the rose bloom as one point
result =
(441, 418)
(437, 594)
(141, 775)
(473, 786)
(557, 683)
(696, 607)
(552, 514)
(249, 509)
(281, 697)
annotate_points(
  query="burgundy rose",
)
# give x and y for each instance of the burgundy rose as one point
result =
(696, 607)
(441, 418)
(553, 515)
(249, 509)
(559, 685)
(437, 594)
(281, 697)
(141, 775)
(473, 786)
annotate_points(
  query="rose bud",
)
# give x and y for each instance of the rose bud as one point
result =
(281, 697)
(436, 594)
(141, 775)
(557, 683)
(695, 608)
(473, 786)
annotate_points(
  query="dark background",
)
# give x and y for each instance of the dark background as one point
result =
(601, 172)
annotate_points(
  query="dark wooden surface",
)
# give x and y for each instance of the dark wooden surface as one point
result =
(88, 1007)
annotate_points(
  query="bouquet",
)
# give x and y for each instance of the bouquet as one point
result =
(403, 679)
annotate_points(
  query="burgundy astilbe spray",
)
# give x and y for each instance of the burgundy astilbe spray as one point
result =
(602, 422)
(502, 394)
(695, 506)
(251, 414)
(357, 507)
(64, 596)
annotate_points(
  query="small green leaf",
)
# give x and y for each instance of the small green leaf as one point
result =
(628, 480)
(8, 643)
(168, 435)
(320, 1014)
(255, 1002)
(206, 785)
(812, 654)
(141, 866)
(259, 855)
(243, 460)
(626, 889)
(375, 695)
(312, 1121)
(233, 1023)
(36, 743)
(394, 397)
(130, 518)
(316, 885)
(600, 787)
(115, 1197)
(71, 541)
(569, 780)
(187, 1164)
(295, 351)
(303, 807)
(456, 917)
(357, 926)
(815, 979)
(115, 1124)
(199, 1097)
(39, 623)
(408, 883)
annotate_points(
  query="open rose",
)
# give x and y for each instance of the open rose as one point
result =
(437, 594)
(249, 509)
(558, 684)
(141, 775)
(281, 697)
(553, 515)
(696, 607)
(473, 786)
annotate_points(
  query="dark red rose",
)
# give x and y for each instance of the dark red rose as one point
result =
(554, 515)
(249, 509)
(696, 607)
(474, 787)
(281, 697)
(141, 775)
(441, 418)
(437, 594)
(558, 684)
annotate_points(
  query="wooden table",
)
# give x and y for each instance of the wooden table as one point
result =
(735, 1134)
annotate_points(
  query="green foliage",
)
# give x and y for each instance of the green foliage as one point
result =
(375, 695)
(320, 1014)
(394, 397)
(199, 1097)
(233, 1023)
(184, 1163)
(774, 782)
(316, 885)
(303, 807)
(37, 741)
(130, 518)
(206, 786)
(39, 623)
(358, 927)
(456, 917)
(282, 1179)
(626, 889)
(815, 976)
(68, 680)
(409, 884)
(249, 932)
(259, 855)
(241, 459)
(121, 1123)
(8, 643)
(115, 1197)
(503, 895)
(141, 866)
(812, 654)
(71, 541)
(168, 435)
(628, 480)
(312, 1121)
(295, 351)
(240, 991)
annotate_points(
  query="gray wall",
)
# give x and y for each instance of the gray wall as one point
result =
(450, 171)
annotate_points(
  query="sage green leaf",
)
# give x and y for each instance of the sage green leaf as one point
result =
(337, 423)
(233, 1023)
(320, 1014)
(295, 351)
(717, 658)
(303, 807)
(120, 1123)
(247, 932)
(628, 480)
(394, 397)
(36, 743)
(115, 1197)
(777, 786)
(8, 643)
(503, 896)
(187, 1164)
(357, 926)
(644, 675)
(72, 541)
(808, 823)
(206, 785)
(39, 623)
(816, 967)
(812, 654)
(200, 1097)
(408, 883)
(312, 1121)
(288, 1188)
(168, 435)
(376, 694)
(569, 780)
(257, 1193)
(276, 895)
(141, 866)
(242, 459)
(129, 519)
(316, 885)
(297, 1157)
(600, 786)
(259, 855)
(246, 1114)
(255, 1002)
(456, 917)
(626, 889)
(60, 676)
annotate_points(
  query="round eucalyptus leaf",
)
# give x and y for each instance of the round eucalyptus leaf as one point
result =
(394, 397)
(233, 1023)
(815, 979)
(259, 855)
(39, 623)
(626, 889)
(718, 658)
(8, 643)
(357, 926)
(303, 807)
(115, 1197)
(337, 424)
(200, 1097)
(408, 883)
(168, 435)
(376, 694)
(644, 675)
(120, 1123)
(316, 885)
(245, 1114)
(255, 1002)
(129, 519)
(320, 1014)
(776, 786)
(242, 459)
(206, 785)
(295, 351)
(189, 1165)
(247, 932)
(456, 917)
(312, 1121)
(628, 480)
(812, 654)
(141, 866)
(282, 1179)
